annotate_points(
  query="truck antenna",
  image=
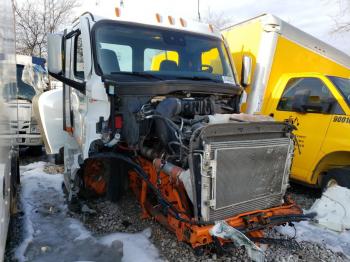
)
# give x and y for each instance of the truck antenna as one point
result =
(199, 13)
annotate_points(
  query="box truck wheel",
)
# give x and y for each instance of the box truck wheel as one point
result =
(336, 176)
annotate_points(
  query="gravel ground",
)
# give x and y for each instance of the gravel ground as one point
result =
(102, 216)
(128, 213)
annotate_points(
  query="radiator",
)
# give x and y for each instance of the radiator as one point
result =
(238, 176)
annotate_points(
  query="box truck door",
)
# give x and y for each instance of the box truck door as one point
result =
(307, 103)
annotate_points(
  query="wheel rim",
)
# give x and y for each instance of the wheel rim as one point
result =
(94, 176)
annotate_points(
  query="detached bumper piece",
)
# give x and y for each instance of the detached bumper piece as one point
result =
(225, 231)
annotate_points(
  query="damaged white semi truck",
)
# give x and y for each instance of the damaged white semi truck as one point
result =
(151, 104)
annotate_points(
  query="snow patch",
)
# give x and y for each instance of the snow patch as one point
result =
(330, 224)
(51, 234)
(29, 181)
(333, 208)
(136, 247)
(308, 231)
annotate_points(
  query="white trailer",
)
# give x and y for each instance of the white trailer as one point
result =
(9, 172)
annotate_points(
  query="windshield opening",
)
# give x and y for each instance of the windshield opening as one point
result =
(130, 52)
(25, 91)
(343, 85)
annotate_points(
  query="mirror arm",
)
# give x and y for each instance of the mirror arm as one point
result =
(78, 86)
(71, 34)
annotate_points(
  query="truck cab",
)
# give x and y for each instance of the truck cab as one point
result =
(318, 106)
(151, 104)
(32, 80)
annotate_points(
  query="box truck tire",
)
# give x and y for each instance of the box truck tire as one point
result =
(339, 176)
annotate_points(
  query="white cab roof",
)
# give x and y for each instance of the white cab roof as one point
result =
(160, 20)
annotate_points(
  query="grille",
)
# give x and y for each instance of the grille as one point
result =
(245, 176)
(257, 204)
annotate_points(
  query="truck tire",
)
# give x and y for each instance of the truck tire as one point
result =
(339, 176)
(15, 181)
(36, 150)
(59, 158)
(117, 183)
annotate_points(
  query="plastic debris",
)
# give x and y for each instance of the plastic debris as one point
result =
(333, 208)
(225, 231)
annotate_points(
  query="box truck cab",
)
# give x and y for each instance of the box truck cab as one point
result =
(318, 106)
(298, 78)
(151, 102)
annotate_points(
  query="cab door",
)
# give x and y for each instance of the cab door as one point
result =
(78, 69)
(307, 103)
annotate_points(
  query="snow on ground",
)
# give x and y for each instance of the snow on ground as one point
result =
(308, 231)
(333, 217)
(50, 235)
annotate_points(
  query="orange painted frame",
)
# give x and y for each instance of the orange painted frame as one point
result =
(186, 229)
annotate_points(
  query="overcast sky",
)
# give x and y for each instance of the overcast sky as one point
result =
(313, 16)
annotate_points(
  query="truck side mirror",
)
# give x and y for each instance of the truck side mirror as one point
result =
(55, 53)
(246, 70)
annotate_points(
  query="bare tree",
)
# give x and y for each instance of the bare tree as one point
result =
(36, 18)
(342, 18)
(217, 19)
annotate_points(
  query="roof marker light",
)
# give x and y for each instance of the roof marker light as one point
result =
(183, 22)
(117, 12)
(159, 18)
(171, 20)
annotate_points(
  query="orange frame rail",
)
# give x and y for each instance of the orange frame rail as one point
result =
(186, 229)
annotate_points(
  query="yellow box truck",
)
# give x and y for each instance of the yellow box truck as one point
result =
(293, 76)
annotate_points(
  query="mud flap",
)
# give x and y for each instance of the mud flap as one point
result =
(225, 231)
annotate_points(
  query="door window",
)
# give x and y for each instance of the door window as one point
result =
(78, 58)
(115, 58)
(318, 93)
(211, 61)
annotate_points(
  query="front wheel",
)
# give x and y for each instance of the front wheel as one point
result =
(36, 150)
(336, 176)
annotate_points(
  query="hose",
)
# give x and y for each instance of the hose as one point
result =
(176, 213)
